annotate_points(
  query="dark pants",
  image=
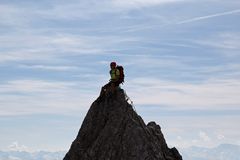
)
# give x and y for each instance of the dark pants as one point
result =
(114, 83)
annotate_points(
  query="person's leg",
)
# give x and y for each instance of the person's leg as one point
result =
(112, 88)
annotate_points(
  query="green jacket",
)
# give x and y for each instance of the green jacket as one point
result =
(114, 73)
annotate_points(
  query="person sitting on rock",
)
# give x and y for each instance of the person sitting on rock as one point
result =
(114, 81)
(115, 74)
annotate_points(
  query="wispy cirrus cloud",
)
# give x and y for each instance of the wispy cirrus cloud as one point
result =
(12, 16)
(50, 68)
(224, 40)
(34, 96)
(88, 9)
(36, 46)
(214, 94)
(142, 3)
(21, 97)
(25, 15)
(34, 86)
(210, 16)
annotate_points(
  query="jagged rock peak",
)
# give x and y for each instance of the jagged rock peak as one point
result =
(112, 130)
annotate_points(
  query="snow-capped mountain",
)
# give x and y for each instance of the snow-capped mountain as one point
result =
(221, 152)
(23, 155)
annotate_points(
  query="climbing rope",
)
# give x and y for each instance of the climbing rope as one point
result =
(143, 127)
(131, 102)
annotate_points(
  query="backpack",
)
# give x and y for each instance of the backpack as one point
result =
(121, 76)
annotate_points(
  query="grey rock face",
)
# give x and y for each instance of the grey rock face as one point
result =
(112, 130)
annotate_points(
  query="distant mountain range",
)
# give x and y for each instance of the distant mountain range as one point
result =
(22, 155)
(222, 152)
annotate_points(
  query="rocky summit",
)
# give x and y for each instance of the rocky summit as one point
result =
(112, 130)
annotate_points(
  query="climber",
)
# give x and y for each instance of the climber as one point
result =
(115, 75)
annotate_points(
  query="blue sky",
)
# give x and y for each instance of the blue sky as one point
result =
(181, 58)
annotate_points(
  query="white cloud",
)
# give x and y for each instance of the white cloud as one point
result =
(209, 16)
(197, 130)
(13, 158)
(26, 55)
(203, 136)
(27, 47)
(15, 146)
(31, 86)
(179, 138)
(15, 15)
(214, 94)
(37, 96)
(93, 8)
(226, 40)
(36, 40)
(141, 3)
(12, 16)
(51, 68)
(72, 10)
(203, 139)
(220, 136)
(153, 61)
